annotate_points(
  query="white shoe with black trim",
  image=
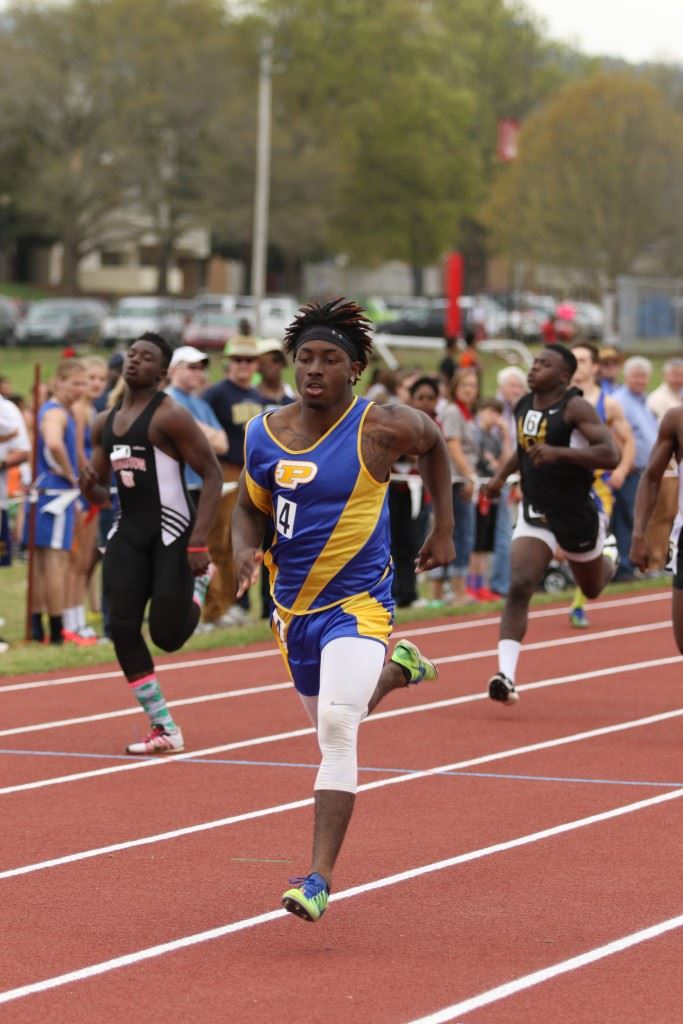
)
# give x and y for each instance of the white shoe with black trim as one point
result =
(502, 689)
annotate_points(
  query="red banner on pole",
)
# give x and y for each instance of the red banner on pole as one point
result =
(453, 290)
(508, 136)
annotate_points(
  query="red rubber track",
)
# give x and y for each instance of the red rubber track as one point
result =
(434, 937)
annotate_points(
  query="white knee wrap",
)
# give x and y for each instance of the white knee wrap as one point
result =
(337, 737)
(349, 670)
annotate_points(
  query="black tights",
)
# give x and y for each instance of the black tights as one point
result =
(134, 575)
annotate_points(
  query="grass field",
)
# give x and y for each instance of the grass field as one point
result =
(30, 657)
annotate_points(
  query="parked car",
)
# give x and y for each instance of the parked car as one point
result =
(528, 315)
(422, 320)
(590, 318)
(209, 330)
(427, 319)
(213, 302)
(135, 314)
(277, 312)
(61, 322)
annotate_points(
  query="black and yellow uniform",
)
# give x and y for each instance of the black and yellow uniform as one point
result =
(556, 496)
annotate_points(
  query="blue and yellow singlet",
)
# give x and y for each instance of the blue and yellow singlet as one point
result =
(331, 516)
(602, 492)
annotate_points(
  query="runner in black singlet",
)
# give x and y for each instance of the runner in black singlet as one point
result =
(156, 550)
(561, 441)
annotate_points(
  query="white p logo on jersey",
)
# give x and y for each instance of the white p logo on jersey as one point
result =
(290, 474)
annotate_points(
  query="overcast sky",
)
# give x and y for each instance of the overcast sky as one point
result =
(636, 30)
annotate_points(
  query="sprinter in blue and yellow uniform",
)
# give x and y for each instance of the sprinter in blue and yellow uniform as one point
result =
(319, 470)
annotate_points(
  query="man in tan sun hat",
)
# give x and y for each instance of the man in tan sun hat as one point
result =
(234, 402)
(272, 362)
(609, 368)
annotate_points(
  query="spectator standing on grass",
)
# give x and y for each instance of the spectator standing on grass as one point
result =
(82, 555)
(57, 471)
(609, 369)
(449, 363)
(494, 447)
(15, 449)
(460, 433)
(114, 367)
(187, 373)
(272, 363)
(605, 482)
(157, 551)
(511, 385)
(668, 394)
(424, 396)
(664, 398)
(468, 358)
(235, 402)
(632, 397)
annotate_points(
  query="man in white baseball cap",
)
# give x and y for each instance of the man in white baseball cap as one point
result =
(235, 401)
(189, 356)
(187, 371)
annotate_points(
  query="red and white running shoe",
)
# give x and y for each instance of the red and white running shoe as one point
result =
(158, 742)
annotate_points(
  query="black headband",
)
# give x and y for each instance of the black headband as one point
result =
(324, 333)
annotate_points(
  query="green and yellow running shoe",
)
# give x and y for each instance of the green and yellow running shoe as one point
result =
(578, 618)
(418, 667)
(308, 899)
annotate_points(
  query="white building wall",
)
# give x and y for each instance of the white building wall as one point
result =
(335, 277)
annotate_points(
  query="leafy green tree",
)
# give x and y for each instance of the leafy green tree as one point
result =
(597, 183)
(56, 110)
(171, 61)
(113, 101)
(375, 127)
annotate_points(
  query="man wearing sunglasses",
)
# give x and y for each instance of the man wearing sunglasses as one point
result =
(234, 402)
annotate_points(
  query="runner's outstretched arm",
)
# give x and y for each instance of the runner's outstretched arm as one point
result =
(248, 527)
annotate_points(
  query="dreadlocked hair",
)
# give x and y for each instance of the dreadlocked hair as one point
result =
(343, 315)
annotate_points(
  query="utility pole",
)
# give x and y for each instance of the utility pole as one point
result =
(262, 186)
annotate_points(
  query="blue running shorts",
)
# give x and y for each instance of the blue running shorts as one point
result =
(301, 638)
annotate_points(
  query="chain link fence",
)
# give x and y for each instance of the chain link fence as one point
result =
(649, 314)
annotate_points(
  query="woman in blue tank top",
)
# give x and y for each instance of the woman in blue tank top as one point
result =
(57, 471)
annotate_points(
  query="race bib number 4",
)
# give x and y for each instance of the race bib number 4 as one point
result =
(285, 514)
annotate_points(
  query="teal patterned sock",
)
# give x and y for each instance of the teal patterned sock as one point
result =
(150, 698)
(201, 585)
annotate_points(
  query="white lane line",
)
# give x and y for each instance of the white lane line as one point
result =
(491, 652)
(225, 659)
(296, 733)
(205, 698)
(186, 941)
(207, 826)
(494, 995)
